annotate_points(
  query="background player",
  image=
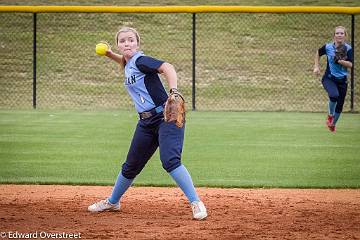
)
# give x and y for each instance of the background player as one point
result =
(148, 94)
(335, 76)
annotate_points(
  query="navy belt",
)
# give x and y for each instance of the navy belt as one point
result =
(152, 112)
(337, 78)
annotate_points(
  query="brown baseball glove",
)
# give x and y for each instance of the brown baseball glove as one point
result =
(340, 53)
(175, 108)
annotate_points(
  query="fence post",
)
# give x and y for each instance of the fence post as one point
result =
(193, 59)
(352, 83)
(34, 60)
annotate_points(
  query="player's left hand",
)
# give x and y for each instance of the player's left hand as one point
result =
(175, 108)
(340, 53)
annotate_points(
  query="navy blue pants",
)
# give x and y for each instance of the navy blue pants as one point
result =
(150, 134)
(336, 89)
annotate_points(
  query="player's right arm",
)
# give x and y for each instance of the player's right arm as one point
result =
(114, 56)
(321, 51)
(316, 65)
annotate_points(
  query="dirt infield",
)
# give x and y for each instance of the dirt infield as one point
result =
(163, 213)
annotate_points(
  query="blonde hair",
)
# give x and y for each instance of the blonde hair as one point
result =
(340, 27)
(122, 30)
(127, 29)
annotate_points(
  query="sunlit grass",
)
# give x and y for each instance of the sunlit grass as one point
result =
(223, 149)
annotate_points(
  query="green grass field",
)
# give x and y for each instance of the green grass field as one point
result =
(222, 149)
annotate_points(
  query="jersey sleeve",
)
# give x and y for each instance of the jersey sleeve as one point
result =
(148, 64)
(322, 50)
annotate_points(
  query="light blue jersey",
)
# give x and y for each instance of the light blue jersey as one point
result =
(143, 82)
(336, 70)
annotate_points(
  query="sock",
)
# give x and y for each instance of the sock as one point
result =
(332, 106)
(336, 117)
(183, 179)
(120, 187)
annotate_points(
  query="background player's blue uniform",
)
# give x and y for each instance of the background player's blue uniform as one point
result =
(335, 79)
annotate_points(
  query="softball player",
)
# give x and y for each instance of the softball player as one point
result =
(148, 94)
(335, 76)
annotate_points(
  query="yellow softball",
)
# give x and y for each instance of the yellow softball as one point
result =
(101, 49)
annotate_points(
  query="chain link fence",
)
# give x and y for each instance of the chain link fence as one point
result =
(243, 61)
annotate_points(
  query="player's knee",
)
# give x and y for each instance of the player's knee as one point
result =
(171, 165)
(129, 172)
(334, 98)
(339, 108)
